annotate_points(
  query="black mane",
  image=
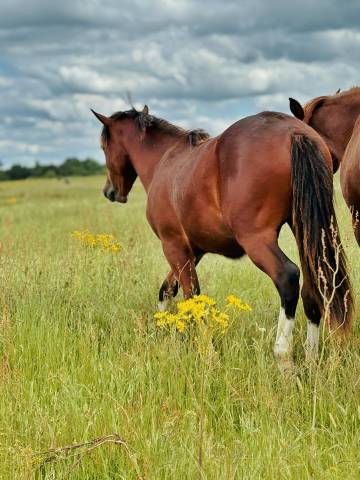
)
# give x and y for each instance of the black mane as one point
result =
(145, 121)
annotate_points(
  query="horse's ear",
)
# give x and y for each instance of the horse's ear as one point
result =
(338, 91)
(104, 120)
(296, 109)
(145, 110)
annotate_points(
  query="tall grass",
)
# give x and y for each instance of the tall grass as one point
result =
(81, 357)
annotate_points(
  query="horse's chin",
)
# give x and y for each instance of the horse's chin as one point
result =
(122, 198)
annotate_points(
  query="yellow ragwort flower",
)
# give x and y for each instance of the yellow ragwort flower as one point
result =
(204, 299)
(180, 325)
(102, 241)
(234, 301)
(199, 310)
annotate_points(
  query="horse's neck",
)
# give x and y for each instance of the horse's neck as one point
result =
(349, 115)
(337, 128)
(147, 154)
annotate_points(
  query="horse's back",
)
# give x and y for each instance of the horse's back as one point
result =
(265, 135)
(239, 181)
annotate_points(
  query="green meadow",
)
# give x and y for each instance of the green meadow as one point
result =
(81, 357)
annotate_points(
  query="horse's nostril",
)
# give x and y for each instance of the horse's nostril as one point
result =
(111, 195)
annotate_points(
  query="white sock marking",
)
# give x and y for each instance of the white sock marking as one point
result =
(312, 341)
(283, 343)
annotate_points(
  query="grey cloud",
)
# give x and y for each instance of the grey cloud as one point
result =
(189, 59)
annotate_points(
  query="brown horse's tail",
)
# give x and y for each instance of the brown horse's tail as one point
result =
(317, 234)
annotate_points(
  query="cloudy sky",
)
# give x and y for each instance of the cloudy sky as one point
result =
(196, 63)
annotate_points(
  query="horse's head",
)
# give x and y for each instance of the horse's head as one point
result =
(325, 115)
(308, 113)
(118, 130)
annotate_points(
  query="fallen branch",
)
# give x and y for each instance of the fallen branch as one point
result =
(54, 455)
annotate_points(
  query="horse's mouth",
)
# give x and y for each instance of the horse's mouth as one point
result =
(114, 196)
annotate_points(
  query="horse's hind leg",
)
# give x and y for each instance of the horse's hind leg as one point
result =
(170, 286)
(313, 314)
(264, 251)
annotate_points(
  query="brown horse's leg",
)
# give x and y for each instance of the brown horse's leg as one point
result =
(182, 262)
(264, 251)
(170, 286)
(313, 314)
(168, 289)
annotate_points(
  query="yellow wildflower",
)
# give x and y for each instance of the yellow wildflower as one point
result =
(220, 318)
(164, 318)
(234, 301)
(204, 299)
(180, 325)
(193, 308)
(199, 310)
(103, 241)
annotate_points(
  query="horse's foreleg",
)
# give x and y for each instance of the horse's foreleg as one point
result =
(264, 251)
(170, 286)
(182, 262)
(168, 290)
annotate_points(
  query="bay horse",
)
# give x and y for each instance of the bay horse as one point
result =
(337, 119)
(231, 195)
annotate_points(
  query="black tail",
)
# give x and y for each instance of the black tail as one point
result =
(316, 231)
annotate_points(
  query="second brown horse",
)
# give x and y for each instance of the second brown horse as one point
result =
(337, 119)
(231, 195)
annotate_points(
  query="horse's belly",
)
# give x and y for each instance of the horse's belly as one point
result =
(211, 241)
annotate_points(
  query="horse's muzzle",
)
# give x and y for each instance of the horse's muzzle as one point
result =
(110, 194)
(114, 196)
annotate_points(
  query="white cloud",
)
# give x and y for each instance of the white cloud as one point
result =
(197, 66)
(23, 147)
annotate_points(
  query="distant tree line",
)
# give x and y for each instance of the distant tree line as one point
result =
(69, 168)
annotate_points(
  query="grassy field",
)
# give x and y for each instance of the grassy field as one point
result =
(81, 357)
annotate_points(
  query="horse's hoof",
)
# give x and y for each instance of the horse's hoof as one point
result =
(162, 306)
